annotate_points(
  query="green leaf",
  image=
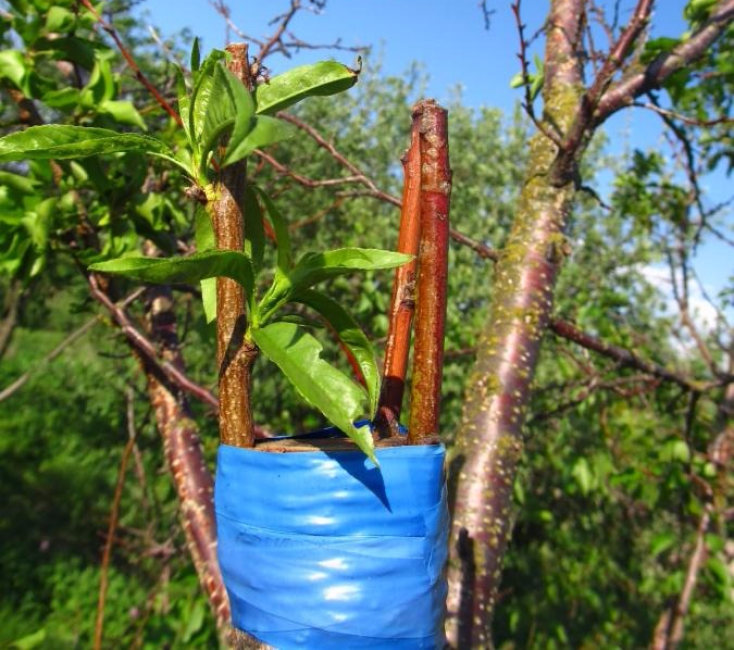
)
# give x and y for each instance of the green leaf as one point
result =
(205, 240)
(60, 20)
(13, 66)
(209, 299)
(63, 142)
(195, 56)
(123, 112)
(31, 641)
(318, 79)
(203, 230)
(203, 81)
(316, 267)
(282, 234)
(661, 543)
(298, 355)
(230, 106)
(19, 183)
(266, 131)
(182, 95)
(351, 336)
(254, 231)
(186, 270)
(582, 473)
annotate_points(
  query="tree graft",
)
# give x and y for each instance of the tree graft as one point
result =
(402, 302)
(435, 193)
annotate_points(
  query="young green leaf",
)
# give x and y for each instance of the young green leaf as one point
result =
(195, 56)
(230, 105)
(350, 335)
(266, 131)
(182, 95)
(313, 268)
(319, 79)
(282, 235)
(205, 240)
(254, 230)
(189, 270)
(63, 142)
(200, 96)
(298, 355)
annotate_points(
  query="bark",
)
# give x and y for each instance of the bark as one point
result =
(489, 443)
(10, 315)
(430, 321)
(402, 303)
(235, 356)
(185, 457)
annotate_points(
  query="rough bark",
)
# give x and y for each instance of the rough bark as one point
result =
(235, 356)
(425, 396)
(489, 443)
(184, 456)
(10, 315)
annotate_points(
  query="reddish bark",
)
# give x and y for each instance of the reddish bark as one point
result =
(430, 322)
(402, 303)
(184, 456)
(490, 440)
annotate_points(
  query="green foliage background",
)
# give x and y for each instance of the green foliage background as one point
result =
(607, 498)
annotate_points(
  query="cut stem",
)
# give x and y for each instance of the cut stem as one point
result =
(402, 303)
(430, 321)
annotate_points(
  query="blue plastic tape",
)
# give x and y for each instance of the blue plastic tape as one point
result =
(321, 550)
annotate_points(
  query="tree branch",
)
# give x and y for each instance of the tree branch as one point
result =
(652, 76)
(139, 75)
(145, 347)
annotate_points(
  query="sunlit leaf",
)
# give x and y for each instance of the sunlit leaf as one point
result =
(298, 355)
(187, 270)
(313, 268)
(63, 142)
(318, 79)
(350, 334)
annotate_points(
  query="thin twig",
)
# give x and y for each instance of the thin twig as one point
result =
(144, 347)
(529, 103)
(114, 514)
(139, 74)
(8, 391)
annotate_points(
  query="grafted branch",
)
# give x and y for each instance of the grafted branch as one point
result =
(435, 193)
(402, 302)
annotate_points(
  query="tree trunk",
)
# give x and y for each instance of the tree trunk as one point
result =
(489, 443)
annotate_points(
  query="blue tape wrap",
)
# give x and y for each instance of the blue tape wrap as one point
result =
(319, 549)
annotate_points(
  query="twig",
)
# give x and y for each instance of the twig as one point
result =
(139, 75)
(528, 104)
(144, 347)
(669, 630)
(114, 513)
(650, 106)
(624, 357)
(8, 391)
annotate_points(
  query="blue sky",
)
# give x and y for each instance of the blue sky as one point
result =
(448, 37)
